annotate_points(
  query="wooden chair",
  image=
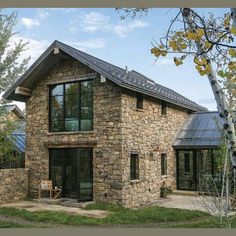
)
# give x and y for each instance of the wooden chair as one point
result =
(45, 186)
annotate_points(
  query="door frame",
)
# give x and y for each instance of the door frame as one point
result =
(195, 167)
(77, 169)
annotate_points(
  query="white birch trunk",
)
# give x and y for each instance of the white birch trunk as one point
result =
(233, 12)
(222, 105)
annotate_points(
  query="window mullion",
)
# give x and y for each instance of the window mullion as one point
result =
(64, 108)
(79, 120)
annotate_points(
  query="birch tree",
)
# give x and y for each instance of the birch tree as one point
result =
(210, 43)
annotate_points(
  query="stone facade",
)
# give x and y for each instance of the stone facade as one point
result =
(118, 129)
(105, 137)
(14, 185)
(149, 134)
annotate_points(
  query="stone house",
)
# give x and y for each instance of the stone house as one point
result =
(106, 134)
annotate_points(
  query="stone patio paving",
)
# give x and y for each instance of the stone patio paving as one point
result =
(173, 201)
(36, 206)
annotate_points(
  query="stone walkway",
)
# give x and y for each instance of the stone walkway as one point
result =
(34, 206)
(206, 204)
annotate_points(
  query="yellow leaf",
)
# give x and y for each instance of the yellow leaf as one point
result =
(233, 30)
(183, 45)
(200, 32)
(173, 45)
(232, 52)
(207, 44)
(163, 53)
(177, 61)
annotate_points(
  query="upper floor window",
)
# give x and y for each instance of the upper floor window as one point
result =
(71, 106)
(139, 103)
(163, 108)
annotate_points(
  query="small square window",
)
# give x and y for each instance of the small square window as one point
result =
(134, 166)
(139, 103)
(163, 108)
(163, 164)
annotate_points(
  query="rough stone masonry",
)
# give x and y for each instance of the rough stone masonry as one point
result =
(119, 129)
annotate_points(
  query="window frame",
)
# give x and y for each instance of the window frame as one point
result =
(163, 164)
(134, 176)
(64, 109)
(139, 101)
(186, 163)
(163, 108)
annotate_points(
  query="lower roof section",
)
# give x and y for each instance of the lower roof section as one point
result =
(202, 130)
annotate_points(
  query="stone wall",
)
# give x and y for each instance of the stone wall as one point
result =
(149, 134)
(105, 137)
(118, 129)
(14, 185)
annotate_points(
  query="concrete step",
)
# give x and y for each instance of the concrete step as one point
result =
(73, 203)
(48, 201)
(185, 192)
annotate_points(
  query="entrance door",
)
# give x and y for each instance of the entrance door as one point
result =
(186, 170)
(192, 166)
(71, 170)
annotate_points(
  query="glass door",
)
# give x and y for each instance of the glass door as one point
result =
(186, 170)
(71, 170)
(85, 175)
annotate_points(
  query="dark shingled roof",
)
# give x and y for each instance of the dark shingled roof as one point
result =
(131, 80)
(202, 130)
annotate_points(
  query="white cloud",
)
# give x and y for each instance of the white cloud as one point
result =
(122, 30)
(29, 22)
(89, 44)
(42, 14)
(90, 22)
(137, 24)
(95, 21)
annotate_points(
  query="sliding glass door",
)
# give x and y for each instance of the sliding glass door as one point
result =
(71, 170)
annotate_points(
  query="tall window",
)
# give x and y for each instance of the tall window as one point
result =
(71, 106)
(134, 166)
(163, 108)
(139, 103)
(163, 164)
(186, 162)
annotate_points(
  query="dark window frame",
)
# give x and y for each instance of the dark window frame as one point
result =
(163, 108)
(134, 163)
(163, 164)
(50, 87)
(139, 101)
(186, 162)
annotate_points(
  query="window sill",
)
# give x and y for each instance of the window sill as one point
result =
(71, 132)
(139, 109)
(133, 181)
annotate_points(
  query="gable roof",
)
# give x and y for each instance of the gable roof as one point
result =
(202, 130)
(14, 108)
(131, 80)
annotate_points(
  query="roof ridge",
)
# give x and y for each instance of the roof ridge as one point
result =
(58, 42)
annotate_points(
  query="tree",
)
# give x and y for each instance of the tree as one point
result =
(210, 43)
(11, 67)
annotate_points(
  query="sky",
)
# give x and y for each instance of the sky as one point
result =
(101, 33)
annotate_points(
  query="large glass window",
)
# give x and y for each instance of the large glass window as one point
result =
(71, 106)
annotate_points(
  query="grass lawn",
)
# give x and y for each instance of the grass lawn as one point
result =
(151, 216)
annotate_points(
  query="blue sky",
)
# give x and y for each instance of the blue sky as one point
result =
(101, 33)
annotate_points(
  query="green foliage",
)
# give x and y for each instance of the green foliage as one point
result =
(6, 128)
(10, 50)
